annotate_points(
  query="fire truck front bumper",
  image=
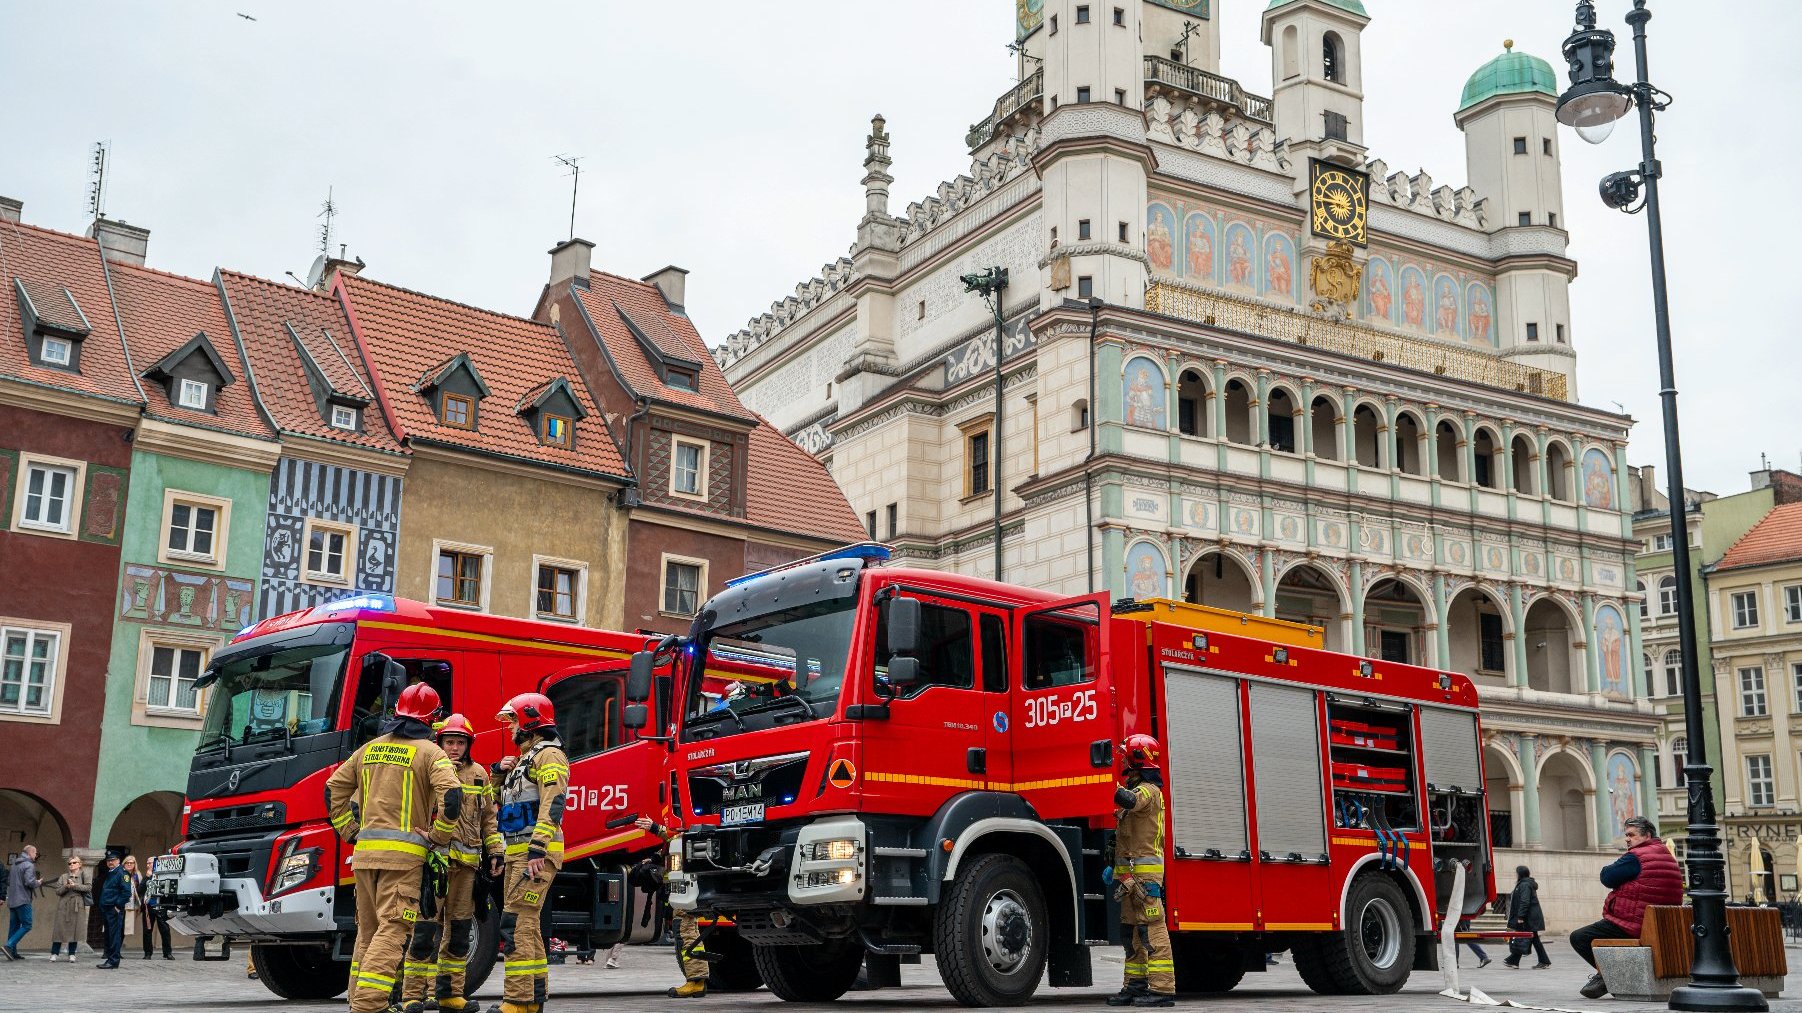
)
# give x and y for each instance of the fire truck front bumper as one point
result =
(819, 863)
(204, 903)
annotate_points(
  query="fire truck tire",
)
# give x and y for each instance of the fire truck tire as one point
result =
(1206, 967)
(300, 973)
(990, 933)
(484, 951)
(818, 972)
(736, 970)
(1375, 952)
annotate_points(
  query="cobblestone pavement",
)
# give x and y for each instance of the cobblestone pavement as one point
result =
(157, 986)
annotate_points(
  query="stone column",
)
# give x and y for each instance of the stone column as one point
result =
(1592, 661)
(1529, 772)
(1356, 591)
(1444, 637)
(1648, 783)
(1518, 607)
(1604, 814)
(1267, 571)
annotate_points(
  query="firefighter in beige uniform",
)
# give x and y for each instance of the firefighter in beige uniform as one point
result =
(1139, 879)
(689, 954)
(384, 798)
(439, 950)
(531, 821)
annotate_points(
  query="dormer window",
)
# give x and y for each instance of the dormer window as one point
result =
(344, 417)
(192, 375)
(558, 431)
(56, 352)
(193, 395)
(456, 389)
(339, 393)
(681, 379)
(552, 410)
(54, 324)
(674, 362)
(456, 410)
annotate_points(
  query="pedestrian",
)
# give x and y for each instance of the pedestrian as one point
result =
(384, 798)
(74, 895)
(691, 959)
(1475, 949)
(156, 920)
(115, 893)
(22, 884)
(613, 955)
(1645, 875)
(1525, 915)
(1139, 879)
(531, 821)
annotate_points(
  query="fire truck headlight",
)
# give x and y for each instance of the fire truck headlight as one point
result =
(675, 858)
(831, 877)
(296, 868)
(841, 849)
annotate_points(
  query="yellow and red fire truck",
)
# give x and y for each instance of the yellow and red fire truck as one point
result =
(915, 761)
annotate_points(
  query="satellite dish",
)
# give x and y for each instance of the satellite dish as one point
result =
(316, 272)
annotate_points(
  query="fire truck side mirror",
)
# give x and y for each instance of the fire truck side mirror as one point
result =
(903, 628)
(636, 716)
(393, 677)
(903, 671)
(638, 677)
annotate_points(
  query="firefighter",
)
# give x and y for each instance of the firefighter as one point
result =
(1139, 879)
(690, 957)
(531, 822)
(440, 947)
(396, 798)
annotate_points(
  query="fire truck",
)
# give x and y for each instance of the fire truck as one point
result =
(292, 696)
(929, 762)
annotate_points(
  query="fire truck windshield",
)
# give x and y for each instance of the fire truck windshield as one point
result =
(290, 691)
(777, 668)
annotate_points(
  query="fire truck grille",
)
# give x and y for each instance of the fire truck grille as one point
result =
(772, 780)
(236, 819)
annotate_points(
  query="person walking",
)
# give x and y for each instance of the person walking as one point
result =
(22, 883)
(382, 799)
(690, 957)
(1525, 915)
(74, 895)
(115, 894)
(155, 919)
(1139, 879)
(1644, 876)
(531, 821)
(1475, 949)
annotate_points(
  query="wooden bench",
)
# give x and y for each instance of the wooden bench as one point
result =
(1649, 967)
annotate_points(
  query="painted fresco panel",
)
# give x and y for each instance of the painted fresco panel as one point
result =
(1598, 479)
(1241, 256)
(302, 489)
(1447, 313)
(1623, 788)
(1199, 242)
(193, 601)
(1144, 393)
(1279, 267)
(1611, 649)
(1379, 291)
(1160, 236)
(1147, 571)
(1479, 313)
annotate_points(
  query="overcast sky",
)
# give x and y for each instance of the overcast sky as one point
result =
(727, 139)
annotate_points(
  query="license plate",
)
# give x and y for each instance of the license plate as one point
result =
(733, 815)
(169, 865)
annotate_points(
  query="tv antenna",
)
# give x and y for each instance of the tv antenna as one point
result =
(1190, 28)
(574, 164)
(327, 211)
(1018, 48)
(97, 173)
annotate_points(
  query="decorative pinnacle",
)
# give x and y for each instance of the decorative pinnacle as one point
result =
(1508, 45)
(1586, 14)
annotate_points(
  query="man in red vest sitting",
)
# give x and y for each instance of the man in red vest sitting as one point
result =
(1645, 875)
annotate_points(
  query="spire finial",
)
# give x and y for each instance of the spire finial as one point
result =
(1508, 45)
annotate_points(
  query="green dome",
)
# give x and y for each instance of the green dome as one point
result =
(1354, 6)
(1511, 73)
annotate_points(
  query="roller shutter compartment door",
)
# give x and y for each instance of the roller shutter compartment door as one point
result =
(1448, 742)
(1285, 742)
(1203, 755)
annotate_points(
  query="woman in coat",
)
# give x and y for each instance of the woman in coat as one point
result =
(73, 895)
(1524, 915)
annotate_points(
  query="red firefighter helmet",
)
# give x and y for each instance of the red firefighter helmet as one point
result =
(1141, 751)
(531, 710)
(456, 724)
(419, 701)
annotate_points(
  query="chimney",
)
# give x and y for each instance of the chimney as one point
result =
(672, 281)
(11, 209)
(571, 261)
(339, 265)
(119, 242)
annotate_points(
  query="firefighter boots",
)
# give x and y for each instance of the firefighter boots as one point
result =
(689, 990)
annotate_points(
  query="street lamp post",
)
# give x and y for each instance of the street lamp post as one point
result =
(1592, 104)
(989, 283)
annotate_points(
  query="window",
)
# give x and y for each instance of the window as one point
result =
(1645, 611)
(1792, 603)
(1551, 218)
(1059, 652)
(1491, 657)
(1751, 692)
(194, 529)
(1395, 646)
(921, 315)
(869, 523)
(28, 670)
(1561, 334)
(1082, 95)
(682, 580)
(1526, 218)
(688, 470)
(894, 519)
(1745, 609)
(1082, 229)
(1661, 543)
(1329, 58)
(1123, 232)
(1679, 760)
(589, 708)
(559, 432)
(331, 548)
(172, 674)
(1082, 14)
(976, 461)
(460, 577)
(558, 590)
(344, 417)
(1545, 144)
(457, 410)
(1120, 16)
(1053, 27)
(1532, 329)
(48, 499)
(1667, 595)
(1673, 673)
(1795, 678)
(1085, 287)
(1119, 96)
(1079, 414)
(56, 352)
(947, 649)
(681, 379)
(1176, 55)
(192, 394)
(1760, 791)
(994, 654)
(1520, 145)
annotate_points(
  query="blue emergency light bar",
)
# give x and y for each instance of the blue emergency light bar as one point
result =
(364, 602)
(872, 553)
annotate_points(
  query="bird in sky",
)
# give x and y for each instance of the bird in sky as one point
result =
(245, 16)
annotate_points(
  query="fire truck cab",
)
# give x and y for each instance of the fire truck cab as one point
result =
(929, 760)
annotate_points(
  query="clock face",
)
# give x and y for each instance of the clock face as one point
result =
(1339, 203)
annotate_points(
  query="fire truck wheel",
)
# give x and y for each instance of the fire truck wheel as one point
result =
(819, 972)
(736, 970)
(1206, 967)
(484, 950)
(990, 933)
(1375, 952)
(300, 973)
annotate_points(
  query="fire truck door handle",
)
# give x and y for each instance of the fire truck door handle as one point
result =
(1101, 753)
(977, 760)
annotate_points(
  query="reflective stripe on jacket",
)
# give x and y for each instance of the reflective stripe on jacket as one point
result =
(398, 785)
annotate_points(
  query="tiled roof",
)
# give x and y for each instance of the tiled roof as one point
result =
(53, 261)
(266, 312)
(1776, 539)
(53, 305)
(162, 312)
(408, 333)
(790, 490)
(609, 294)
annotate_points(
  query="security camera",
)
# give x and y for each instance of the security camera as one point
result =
(1620, 190)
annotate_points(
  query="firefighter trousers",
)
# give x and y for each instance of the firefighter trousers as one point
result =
(522, 939)
(438, 952)
(688, 944)
(387, 908)
(1149, 963)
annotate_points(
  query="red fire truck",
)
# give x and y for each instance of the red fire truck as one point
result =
(932, 770)
(292, 696)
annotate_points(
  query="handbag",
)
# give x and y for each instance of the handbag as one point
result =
(1520, 946)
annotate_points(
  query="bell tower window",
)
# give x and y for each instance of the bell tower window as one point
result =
(1332, 65)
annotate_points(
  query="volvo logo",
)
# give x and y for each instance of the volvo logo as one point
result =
(231, 783)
